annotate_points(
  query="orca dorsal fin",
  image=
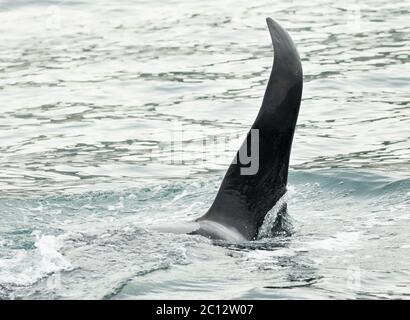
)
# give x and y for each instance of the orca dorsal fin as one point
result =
(249, 190)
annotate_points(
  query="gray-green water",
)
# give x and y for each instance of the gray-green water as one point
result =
(92, 95)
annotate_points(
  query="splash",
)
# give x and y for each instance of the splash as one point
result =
(277, 221)
(26, 267)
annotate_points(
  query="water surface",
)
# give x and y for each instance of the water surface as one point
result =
(94, 96)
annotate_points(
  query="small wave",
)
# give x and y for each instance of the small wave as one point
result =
(354, 183)
(124, 282)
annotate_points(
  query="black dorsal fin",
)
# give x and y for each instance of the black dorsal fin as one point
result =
(246, 194)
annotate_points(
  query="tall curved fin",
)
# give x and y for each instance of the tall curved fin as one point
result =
(245, 197)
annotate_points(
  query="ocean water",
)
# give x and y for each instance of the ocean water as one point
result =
(114, 120)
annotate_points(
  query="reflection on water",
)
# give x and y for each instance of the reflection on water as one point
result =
(94, 95)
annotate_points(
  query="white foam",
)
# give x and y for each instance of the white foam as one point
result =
(26, 267)
(51, 259)
(341, 241)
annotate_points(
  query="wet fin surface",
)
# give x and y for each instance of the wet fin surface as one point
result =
(243, 200)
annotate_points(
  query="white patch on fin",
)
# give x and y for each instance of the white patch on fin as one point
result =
(221, 231)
